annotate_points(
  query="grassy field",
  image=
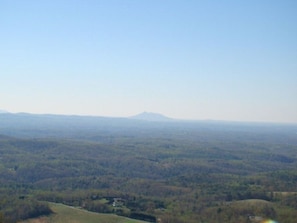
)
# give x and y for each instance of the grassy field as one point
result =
(68, 214)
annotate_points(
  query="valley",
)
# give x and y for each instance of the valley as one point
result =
(155, 171)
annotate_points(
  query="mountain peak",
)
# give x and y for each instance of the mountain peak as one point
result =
(151, 116)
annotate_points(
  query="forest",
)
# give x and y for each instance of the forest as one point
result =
(169, 172)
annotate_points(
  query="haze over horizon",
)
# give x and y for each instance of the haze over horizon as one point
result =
(220, 60)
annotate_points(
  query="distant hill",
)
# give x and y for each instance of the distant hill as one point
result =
(150, 116)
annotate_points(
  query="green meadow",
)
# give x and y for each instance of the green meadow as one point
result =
(68, 214)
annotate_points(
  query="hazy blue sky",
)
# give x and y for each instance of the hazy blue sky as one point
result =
(224, 60)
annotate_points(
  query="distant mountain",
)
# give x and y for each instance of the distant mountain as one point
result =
(150, 116)
(3, 111)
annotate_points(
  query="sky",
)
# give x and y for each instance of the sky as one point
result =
(187, 59)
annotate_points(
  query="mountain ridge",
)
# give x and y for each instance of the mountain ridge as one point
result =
(151, 116)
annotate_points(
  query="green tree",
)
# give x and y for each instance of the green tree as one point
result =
(1, 217)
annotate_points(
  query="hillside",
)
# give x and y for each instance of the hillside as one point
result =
(179, 172)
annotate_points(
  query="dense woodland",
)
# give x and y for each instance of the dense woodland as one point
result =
(169, 172)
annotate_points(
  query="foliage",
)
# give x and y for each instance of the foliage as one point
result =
(15, 208)
(175, 171)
